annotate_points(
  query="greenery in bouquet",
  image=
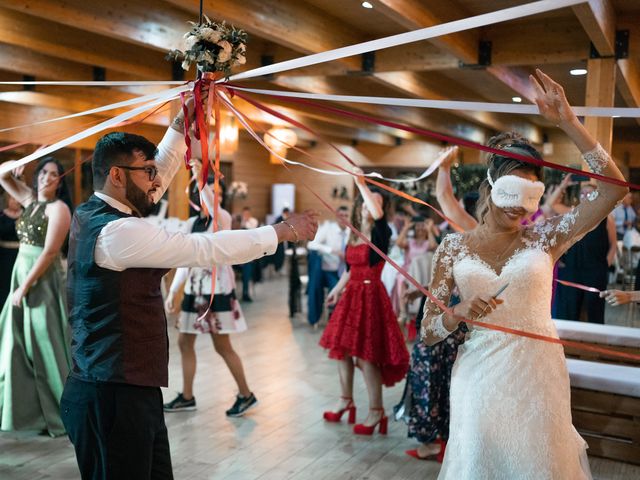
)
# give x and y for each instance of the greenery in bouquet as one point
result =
(213, 47)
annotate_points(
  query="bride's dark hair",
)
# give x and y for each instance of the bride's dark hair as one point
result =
(499, 165)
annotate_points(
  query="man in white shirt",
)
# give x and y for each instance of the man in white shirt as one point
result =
(329, 244)
(625, 216)
(112, 404)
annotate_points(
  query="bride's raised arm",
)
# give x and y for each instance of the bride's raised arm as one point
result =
(560, 232)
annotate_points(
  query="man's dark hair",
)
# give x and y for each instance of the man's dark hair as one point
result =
(117, 148)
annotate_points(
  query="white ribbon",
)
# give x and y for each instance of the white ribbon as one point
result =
(477, 21)
(87, 133)
(113, 106)
(447, 104)
(115, 83)
(242, 118)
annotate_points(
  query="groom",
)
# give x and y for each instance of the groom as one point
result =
(112, 403)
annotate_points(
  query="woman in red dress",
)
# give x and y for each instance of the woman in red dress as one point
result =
(363, 330)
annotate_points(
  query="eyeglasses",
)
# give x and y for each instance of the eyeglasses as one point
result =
(151, 171)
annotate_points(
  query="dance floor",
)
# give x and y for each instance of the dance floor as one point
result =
(284, 437)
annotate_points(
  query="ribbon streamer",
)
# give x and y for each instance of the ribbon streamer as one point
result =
(454, 140)
(422, 289)
(111, 123)
(507, 14)
(113, 83)
(446, 104)
(112, 106)
(578, 286)
(246, 123)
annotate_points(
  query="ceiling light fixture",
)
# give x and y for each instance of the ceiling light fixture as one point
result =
(516, 99)
(367, 5)
(578, 71)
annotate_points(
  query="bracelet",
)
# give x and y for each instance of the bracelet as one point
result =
(293, 230)
(178, 121)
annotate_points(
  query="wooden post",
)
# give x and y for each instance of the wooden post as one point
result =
(178, 199)
(601, 87)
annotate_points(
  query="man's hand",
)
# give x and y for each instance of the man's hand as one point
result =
(298, 227)
(178, 121)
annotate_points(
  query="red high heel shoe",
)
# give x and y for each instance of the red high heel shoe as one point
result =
(335, 417)
(438, 457)
(361, 429)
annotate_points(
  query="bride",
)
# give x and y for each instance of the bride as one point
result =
(510, 396)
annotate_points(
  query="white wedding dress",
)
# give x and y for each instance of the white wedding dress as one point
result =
(510, 395)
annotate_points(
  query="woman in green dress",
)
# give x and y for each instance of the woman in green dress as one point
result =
(34, 337)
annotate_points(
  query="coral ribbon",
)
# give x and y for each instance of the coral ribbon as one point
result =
(449, 139)
(425, 291)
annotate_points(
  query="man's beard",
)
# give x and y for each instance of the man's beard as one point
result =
(139, 199)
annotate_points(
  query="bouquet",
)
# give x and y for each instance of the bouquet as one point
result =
(238, 190)
(213, 47)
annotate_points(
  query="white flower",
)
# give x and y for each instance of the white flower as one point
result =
(190, 42)
(226, 46)
(186, 64)
(224, 56)
(210, 35)
(241, 59)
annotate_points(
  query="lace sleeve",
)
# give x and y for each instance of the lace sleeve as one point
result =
(432, 329)
(557, 234)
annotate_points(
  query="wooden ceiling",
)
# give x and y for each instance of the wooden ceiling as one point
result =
(67, 39)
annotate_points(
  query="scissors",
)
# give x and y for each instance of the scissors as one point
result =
(500, 290)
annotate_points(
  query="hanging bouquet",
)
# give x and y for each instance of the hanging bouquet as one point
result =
(213, 47)
(238, 190)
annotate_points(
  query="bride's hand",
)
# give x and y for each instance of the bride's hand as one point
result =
(551, 100)
(477, 307)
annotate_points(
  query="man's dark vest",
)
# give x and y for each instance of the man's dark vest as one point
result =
(119, 328)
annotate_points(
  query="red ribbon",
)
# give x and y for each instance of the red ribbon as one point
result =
(446, 138)
(444, 308)
(578, 286)
(395, 191)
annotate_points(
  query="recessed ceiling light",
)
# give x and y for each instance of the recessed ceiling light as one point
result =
(516, 99)
(367, 5)
(578, 71)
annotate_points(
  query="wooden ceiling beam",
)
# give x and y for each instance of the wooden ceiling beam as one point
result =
(294, 24)
(70, 104)
(325, 128)
(22, 114)
(81, 46)
(557, 40)
(411, 82)
(413, 15)
(148, 23)
(25, 61)
(599, 20)
(444, 122)
(278, 22)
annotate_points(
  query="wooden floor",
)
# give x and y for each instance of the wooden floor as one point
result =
(284, 437)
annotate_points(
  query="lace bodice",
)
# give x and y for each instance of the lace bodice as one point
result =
(524, 260)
